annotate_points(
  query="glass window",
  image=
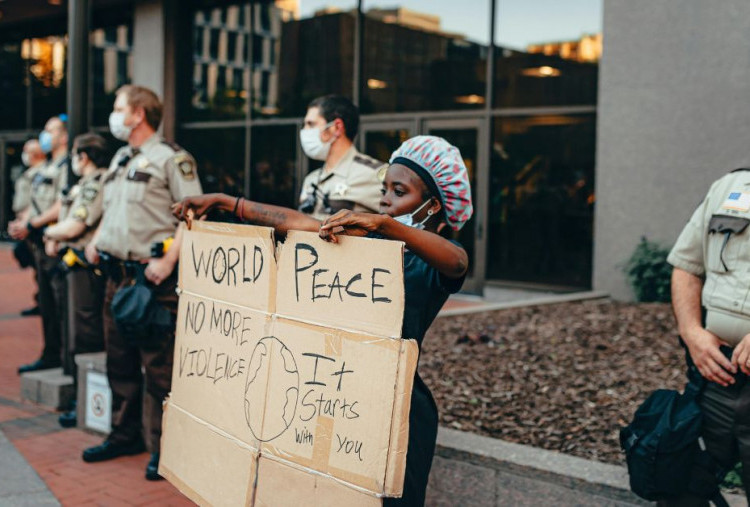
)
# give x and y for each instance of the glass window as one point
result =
(421, 56)
(547, 52)
(540, 220)
(220, 79)
(111, 67)
(220, 154)
(13, 85)
(308, 51)
(47, 78)
(273, 158)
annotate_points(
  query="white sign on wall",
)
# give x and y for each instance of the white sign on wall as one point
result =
(98, 402)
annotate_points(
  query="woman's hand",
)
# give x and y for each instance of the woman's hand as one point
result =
(199, 204)
(352, 224)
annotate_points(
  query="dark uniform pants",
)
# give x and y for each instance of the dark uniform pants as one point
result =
(51, 297)
(726, 430)
(124, 361)
(85, 329)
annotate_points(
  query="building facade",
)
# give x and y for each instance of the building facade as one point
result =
(236, 78)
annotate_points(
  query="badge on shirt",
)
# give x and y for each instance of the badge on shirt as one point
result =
(340, 189)
(738, 201)
(81, 213)
(89, 194)
(185, 165)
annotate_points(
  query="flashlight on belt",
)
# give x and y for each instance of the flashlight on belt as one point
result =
(159, 248)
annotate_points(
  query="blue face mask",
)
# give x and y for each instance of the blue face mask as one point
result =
(408, 219)
(45, 141)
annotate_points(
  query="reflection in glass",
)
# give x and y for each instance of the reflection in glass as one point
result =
(273, 157)
(465, 140)
(13, 83)
(540, 221)
(547, 52)
(111, 67)
(379, 144)
(221, 76)
(220, 154)
(47, 76)
(315, 57)
(416, 60)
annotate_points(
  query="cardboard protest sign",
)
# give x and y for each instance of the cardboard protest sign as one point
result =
(291, 383)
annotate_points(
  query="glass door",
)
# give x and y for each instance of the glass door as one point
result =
(470, 137)
(380, 139)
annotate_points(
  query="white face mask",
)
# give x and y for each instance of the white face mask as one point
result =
(312, 145)
(25, 159)
(75, 165)
(118, 128)
(408, 219)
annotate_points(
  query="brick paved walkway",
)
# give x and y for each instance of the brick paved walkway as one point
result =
(55, 453)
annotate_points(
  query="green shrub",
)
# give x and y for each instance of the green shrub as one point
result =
(648, 272)
(734, 478)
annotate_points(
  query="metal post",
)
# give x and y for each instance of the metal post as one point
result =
(78, 64)
(359, 28)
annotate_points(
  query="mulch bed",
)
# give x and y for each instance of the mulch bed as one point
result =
(562, 377)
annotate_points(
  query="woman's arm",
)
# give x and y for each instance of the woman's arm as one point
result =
(448, 258)
(280, 218)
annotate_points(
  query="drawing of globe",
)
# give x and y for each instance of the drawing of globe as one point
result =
(274, 395)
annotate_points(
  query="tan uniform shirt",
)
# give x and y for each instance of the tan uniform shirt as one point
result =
(140, 186)
(84, 204)
(715, 245)
(22, 190)
(352, 184)
(46, 185)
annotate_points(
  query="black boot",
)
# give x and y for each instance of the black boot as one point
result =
(69, 418)
(109, 450)
(152, 469)
(39, 364)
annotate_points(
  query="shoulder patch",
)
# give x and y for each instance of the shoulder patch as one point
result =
(369, 162)
(81, 213)
(185, 166)
(89, 193)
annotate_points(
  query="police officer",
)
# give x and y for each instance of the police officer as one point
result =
(348, 179)
(711, 261)
(44, 208)
(79, 215)
(143, 180)
(34, 159)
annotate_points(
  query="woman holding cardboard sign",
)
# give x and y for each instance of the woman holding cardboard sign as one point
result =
(425, 188)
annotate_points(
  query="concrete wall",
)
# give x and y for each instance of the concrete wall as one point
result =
(674, 114)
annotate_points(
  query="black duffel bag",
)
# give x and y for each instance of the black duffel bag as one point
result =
(665, 453)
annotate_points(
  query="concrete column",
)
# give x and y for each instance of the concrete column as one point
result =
(673, 116)
(78, 52)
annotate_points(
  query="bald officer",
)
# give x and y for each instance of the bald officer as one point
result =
(348, 179)
(33, 158)
(711, 261)
(144, 179)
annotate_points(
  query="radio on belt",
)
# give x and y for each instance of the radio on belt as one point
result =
(159, 248)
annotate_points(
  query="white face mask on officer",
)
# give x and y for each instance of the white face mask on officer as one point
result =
(312, 145)
(408, 219)
(25, 159)
(75, 164)
(118, 128)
